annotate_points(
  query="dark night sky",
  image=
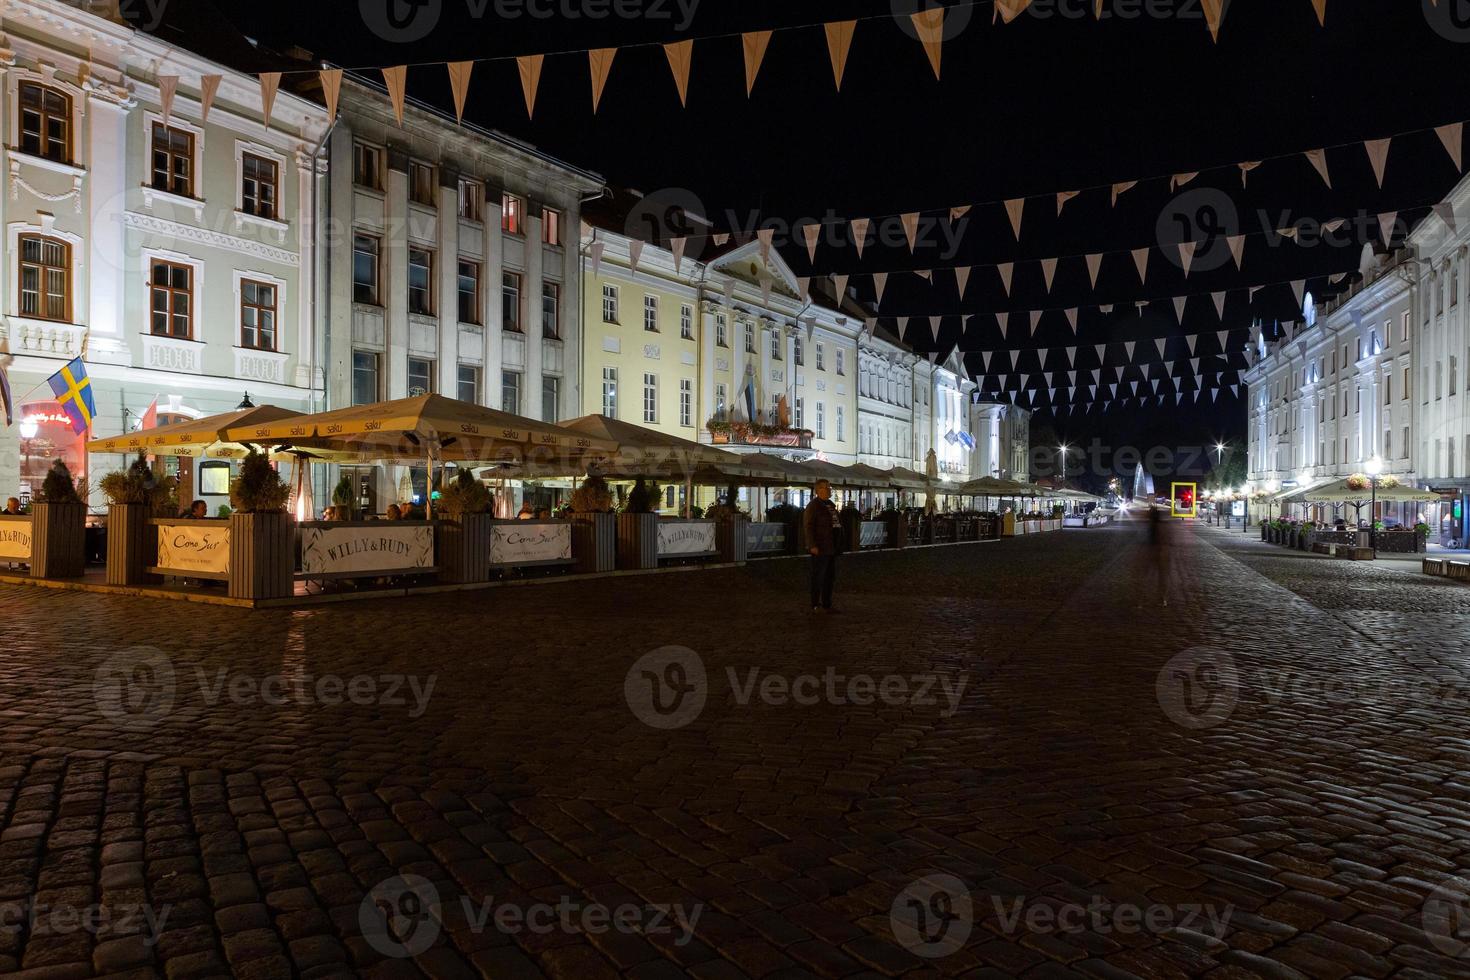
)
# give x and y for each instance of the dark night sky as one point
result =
(1037, 106)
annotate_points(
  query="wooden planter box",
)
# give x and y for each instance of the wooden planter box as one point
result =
(796, 536)
(637, 541)
(462, 548)
(732, 539)
(58, 540)
(132, 545)
(898, 531)
(595, 542)
(262, 556)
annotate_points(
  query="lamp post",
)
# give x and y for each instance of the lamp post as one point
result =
(1374, 467)
(1063, 450)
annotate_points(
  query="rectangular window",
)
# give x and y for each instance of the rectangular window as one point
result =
(365, 252)
(800, 417)
(510, 301)
(610, 392)
(510, 392)
(550, 398)
(686, 322)
(367, 166)
(365, 389)
(720, 400)
(686, 403)
(798, 351)
(722, 325)
(45, 278)
(821, 357)
(173, 160)
(471, 199)
(420, 281)
(1404, 335)
(776, 344)
(1405, 434)
(469, 291)
(172, 288)
(258, 186)
(821, 421)
(551, 310)
(1406, 384)
(550, 226)
(45, 122)
(1387, 388)
(840, 428)
(609, 303)
(421, 189)
(1387, 444)
(650, 313)
(257, 315)
(420, 376)
(512, 214)
(650, 398)
(750, 338)
(841, 363)
(468, 389)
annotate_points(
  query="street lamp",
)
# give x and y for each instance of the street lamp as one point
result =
(1063, 450)
(1374, 467)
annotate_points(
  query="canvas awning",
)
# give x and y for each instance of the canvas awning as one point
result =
(991, 486)
(1338, 492)
(408, 428)
(640, 447)
(906, 479)
(205, 438)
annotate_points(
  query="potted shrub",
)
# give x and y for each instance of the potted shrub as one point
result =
(638, 527)
(1421, 537)
(262, 545)
(731, 534)
(466, 509)
(344, 503)
(791, 516)
(134, 496)
(594, 526)
(58, 527)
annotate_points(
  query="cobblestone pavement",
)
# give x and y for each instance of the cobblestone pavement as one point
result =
(1103, 758)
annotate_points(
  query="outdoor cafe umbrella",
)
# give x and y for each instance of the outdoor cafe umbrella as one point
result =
(191, 437)
(1339, 492)
(428, 427)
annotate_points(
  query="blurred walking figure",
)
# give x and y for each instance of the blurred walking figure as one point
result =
(823, 527)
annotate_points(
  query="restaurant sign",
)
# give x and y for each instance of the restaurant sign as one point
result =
(524, 543)
(15, 539)
(365, 548)
(200, 549)
(685, 538)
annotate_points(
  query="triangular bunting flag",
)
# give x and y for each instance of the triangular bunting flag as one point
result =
(934, 323)
(1453, 138)
(1094, 263)
(1160, 341)
(1219, 298)
(459, 86)
(1237, 248)
(676, 246)
(1319, 160)
(860, 233)
(635, 252)
(529, 67)
(1014, 209)
(1446, 212)
(595, 250)
(269, 82)
(209, 88)
(1072, 317)
(680, 55)
(1035, 319)
(1179, 302)
(1186, 256)
(168, 87)
(910, 228)
(929, 25)
(764, 235)
(839, 286)
(599, 63)
(396, 78)
(811, 233)
(1386, 222)
(961, 279)
(1214, 13)
(903, 325)
(1246, 168)
(880, 282)
(839, 39)
(754, 44)
(1140, 259)
(1006, 270)
(1062, 198)
(1321, 7)
(1121, 188)
(956, 214)
(1048, 271)
(1378, 156)
(1179, 180)
(1002, 320)
(1297, 287)
(331, 89)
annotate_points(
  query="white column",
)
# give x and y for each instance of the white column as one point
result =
(394, 275)
(531, 383)
(494, 325)
(107, 194)
(306, 229)
(448, 286)
(704, 400)
(574, 401)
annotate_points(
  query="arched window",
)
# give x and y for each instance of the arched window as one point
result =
(45, 278)
(45, 122)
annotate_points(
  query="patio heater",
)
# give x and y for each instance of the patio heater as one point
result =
(1374, 467)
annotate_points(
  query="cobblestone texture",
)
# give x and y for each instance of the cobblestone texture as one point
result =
(1317, 815)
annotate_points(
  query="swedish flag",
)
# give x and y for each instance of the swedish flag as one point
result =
(73, 390)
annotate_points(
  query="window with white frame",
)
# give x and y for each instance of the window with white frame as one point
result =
(510, 392)
(686, 402)
(471, 199)
(420, 281)
(420, 376)
(173, 160)
(841, 364)
(798, 352)
(468, 384)
(720, 397)
(749, 338)
(45, 122)
(551, 310)
(821, 421)
(44, 278)
(722, 325)
(686, 322)
(259, 186)
(171, 288)
(610, 392)
(650, 313)
(776, 344)
(800, 418)
(609, 303)
(469, 291)
(650, 398)
(257, 314)
(821, 356)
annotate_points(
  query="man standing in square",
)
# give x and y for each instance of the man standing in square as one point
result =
(823, 527)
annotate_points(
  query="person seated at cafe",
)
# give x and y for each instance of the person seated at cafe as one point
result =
(528, 513)
(330, 514)
(12, 506)
(198, 510)
(392, 513)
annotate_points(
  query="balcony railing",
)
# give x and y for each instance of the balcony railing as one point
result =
(757, 434)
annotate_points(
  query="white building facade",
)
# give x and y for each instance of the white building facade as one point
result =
(886, 374)
(1002, 433)
(174, 255)
(453, 269)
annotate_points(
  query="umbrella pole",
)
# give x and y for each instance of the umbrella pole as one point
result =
(688, 495)
(429, 484)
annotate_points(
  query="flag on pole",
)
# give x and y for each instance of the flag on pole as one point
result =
(73, 390)
(150, 416)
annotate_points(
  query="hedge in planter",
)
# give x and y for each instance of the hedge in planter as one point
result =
(262, 545)
(463, 537)
(58, 527)
(134, 495)
(594, 526)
